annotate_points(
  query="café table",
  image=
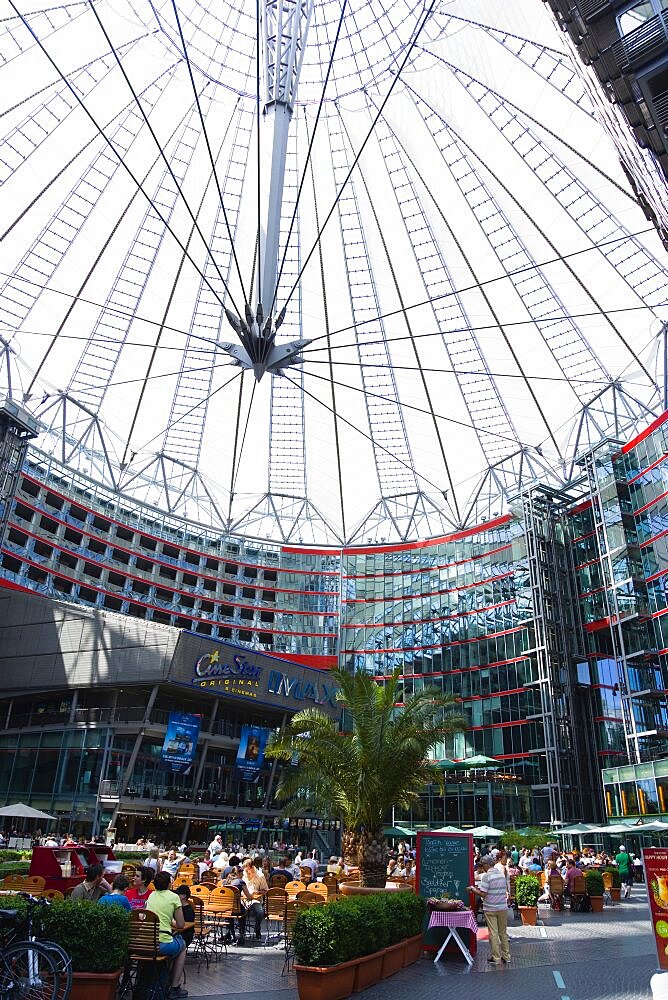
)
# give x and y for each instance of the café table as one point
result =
(454, 920)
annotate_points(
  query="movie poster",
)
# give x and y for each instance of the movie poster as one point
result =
(250, 755)
(655, 860)
(180, 745)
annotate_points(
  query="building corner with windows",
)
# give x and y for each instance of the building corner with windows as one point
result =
(548, 621)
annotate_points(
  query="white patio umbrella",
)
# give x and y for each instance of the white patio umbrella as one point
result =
(21, 811)
(483, 832)
(448, 829)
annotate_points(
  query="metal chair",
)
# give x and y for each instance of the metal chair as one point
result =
(291, 911)
(202, 946)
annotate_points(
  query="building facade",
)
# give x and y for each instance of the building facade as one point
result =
(625, 43)
(548, 623)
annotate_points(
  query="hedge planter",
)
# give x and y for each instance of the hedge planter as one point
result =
(393, 959)
(94, 985)
(368, 971)
(529, 915)
(329, 982)
(413, 949)
(596, 904)
(351, 889)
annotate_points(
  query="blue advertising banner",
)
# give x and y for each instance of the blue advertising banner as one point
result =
(180, 744)
(250, 754)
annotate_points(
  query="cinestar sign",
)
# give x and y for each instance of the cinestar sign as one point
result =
(235, 674)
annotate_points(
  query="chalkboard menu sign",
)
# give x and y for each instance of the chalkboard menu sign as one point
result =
(444, 863)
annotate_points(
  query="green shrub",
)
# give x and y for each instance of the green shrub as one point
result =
(527, 890)
(14, 868)
(354, 926)
(10, 855)
(594, 883)
(95, 936)
(616, 877)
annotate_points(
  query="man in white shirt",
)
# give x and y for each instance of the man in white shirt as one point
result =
(494, 888)
(216, 846)
(312, 864)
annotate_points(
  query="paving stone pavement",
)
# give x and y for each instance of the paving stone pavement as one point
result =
(566, 957)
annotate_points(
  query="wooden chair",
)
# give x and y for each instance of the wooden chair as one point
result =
(319, 888)
(305, 874)
(182, 880)
(308, 898)
(278, 881)
(53, 895)
(209, 878)
(578, 893)
(292, 888)
(201, 891)
(202, 946)
(512, 900)
(332, 884)
(275, 901)
(556, 887)
(291, 911)
(145, 963)
(220, 912)
(128, 869)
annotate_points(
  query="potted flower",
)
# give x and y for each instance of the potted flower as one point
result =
(615, 884)
(96, 938)
(594, 883)
(527, 891)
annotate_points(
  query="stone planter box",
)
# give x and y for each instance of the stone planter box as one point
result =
(413, 949)
(393, 959)
(596, 904)
(368, 971)
(336, 982)
(529, 915)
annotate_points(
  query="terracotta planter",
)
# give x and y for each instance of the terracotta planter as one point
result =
(393, 959)
(368, 970)
(330, 982)
(412, 949)
(348, 889)
(94, 985)
(529, 915)
(596, 904)
(616, 895)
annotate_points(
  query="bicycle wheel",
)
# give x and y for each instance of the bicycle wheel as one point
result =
(63, 968)
(28, 972)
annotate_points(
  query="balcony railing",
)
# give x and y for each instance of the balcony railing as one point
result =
(640, 46)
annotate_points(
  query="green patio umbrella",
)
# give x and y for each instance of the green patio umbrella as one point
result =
(397, 831)
(445, 764)
(478, 763)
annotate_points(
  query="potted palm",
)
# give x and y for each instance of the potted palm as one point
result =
(594, 883)
(96, 938)
(375, 760)
(527, 891)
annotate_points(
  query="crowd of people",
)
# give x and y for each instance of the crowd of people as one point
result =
(495, 868)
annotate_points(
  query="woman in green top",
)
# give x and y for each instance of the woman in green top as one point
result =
(167, 907)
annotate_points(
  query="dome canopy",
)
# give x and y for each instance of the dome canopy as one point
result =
(319, 270)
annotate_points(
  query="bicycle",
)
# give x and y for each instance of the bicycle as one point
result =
(31, 969)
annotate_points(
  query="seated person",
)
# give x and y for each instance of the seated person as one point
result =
(282, 868)
(572, 872)
(139, 891)
(257, 886)
(93, 885)
(117, 895)
(333, 866)
(167, 907)
(235, 879)
(172, 862)
(188, 931)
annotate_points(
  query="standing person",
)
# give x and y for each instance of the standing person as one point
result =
(493, 889)
(623, 860)
(167, 907)
(215, 847)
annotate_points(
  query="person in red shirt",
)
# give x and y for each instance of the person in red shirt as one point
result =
(139, 890)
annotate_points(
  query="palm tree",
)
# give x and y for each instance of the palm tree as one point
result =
(377, 760)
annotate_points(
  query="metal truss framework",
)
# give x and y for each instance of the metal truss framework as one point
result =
(363, 230)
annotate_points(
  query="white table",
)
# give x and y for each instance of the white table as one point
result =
(453, 920)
